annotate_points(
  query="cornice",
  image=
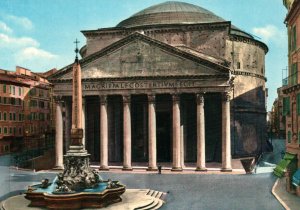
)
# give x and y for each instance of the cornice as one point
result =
(290, 89)
(248, 74)
(243, 39)
(158, 28)
(215, 77)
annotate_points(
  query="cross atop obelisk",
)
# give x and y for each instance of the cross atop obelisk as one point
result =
(76, 49)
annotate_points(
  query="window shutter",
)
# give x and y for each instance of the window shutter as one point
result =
(286, 106)
(298, 103)
(289, 136)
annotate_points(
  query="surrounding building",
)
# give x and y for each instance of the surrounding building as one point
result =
(172, 83)
(291, 101)
(25, 111)
(277, 124)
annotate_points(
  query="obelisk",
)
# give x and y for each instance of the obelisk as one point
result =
(76, 131)
(77, 173)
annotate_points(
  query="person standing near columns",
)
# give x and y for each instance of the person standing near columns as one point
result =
(126, 133)
(176, 134)
(152, 133)
(226, 141)
(103, 134)
(200, 133)
(58, 135)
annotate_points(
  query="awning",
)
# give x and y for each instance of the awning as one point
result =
(284, 163)
(296, 178)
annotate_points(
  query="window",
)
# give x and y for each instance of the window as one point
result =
(294, 74)
(5, 130)
(33, 103)
(33, 92)
(299, 137)
(20, 130)
(294, 39)
(20, 91)
(298, 103)
(238, 65)
(41, 104)
(14, 116)
(14, 90)
(10, 130)
(4, 116)
(0, 100)
(286, 106)
(0, 130)
(4, 88)
(20, 117)
(13, 101)
(289, 136)
(4, 100)
(10, 116)
(0, 115)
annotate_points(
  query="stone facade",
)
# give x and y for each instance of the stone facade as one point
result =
(202, 81)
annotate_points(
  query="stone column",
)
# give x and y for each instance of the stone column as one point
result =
(59, 136)
(176, 166)
(152, 133)
(226, 141)
(200, 133)
(83, 120)
(68, 116)
(126, 133)
(103, 134)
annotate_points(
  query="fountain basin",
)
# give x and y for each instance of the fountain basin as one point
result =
(98, 197)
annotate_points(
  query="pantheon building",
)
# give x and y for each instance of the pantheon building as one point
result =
(173, 83)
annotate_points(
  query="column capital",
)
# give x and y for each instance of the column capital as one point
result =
(175, 97)
(58, 98)
(226, 96)
(200, 98)
(103, 99)
(126, 99)
(151, 98)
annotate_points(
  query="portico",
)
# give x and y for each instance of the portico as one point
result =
(151, 112)
(144, 125)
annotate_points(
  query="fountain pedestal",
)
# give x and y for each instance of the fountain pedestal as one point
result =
(78, 186)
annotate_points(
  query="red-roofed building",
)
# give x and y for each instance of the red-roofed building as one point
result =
(25, 110)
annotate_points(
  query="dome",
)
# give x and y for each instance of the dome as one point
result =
(173, 12)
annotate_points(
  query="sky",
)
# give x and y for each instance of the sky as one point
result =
(39, 34)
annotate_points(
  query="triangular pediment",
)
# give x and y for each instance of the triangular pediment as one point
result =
(140, 56)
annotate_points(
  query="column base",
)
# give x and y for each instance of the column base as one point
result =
(226, 170)
(201, 169)
(127, 169)
(58, 168)
(104, 168)
(174, 169)
(152, 169)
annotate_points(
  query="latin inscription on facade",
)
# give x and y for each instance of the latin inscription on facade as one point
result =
(139, 85)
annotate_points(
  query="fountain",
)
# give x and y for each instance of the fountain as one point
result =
(78, 186)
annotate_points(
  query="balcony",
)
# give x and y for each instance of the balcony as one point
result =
(290, 80)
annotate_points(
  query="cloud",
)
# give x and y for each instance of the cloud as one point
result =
(14, 42)
(5, 28)
(270, 33)
(32, 53)
(21, 21)
(35, 58)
